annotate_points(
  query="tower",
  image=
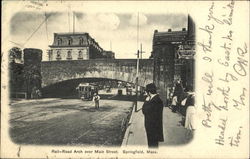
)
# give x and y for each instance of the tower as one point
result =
(32, 69)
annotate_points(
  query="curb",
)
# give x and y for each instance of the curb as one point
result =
(126, 135)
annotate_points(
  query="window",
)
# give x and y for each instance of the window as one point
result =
(80, 41)
(70, 41)
(80, 55)
(59, 41)
(50, 55)
(69, 56)
(58, 55)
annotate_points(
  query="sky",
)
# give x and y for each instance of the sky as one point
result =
(116, 31)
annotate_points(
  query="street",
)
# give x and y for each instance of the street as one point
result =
(56, 121)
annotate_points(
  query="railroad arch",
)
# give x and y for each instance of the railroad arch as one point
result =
(115, 69)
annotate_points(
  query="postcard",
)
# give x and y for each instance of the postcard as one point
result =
(125, 79)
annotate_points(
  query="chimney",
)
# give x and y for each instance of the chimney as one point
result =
(156, 31)
(183, 29)
(169, 30)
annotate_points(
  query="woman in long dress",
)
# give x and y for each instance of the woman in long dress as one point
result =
(190, 124)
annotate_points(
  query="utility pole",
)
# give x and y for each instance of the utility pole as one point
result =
(141, 51)
(73, 22)
(69, 17)
(137, 64)
(137, 80)
(110, 45)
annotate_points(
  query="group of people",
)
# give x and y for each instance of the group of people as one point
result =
(36, 93)
(184, 102)
(153, 109)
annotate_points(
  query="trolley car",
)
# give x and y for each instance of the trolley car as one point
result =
(86, 90)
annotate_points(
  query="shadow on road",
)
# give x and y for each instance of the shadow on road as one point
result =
(105, 96)
(81, 108)
(121, 97)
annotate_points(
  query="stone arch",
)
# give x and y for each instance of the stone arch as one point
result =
(57, 71)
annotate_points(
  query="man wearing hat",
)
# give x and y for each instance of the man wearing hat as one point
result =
(152, 110)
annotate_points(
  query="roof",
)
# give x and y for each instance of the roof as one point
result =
(170, 36)
(64, 36)
(71, 33)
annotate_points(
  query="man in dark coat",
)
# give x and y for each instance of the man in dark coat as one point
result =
(178, 93)
(152, 110)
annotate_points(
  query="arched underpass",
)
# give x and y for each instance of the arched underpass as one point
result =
(67, 89)
(69, 121)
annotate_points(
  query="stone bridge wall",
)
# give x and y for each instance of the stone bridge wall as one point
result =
(119, 69)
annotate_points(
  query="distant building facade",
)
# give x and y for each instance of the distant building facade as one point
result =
(74, 46)
(173, 54)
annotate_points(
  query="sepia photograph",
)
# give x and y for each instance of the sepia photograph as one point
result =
(82, 79)
(77, 92)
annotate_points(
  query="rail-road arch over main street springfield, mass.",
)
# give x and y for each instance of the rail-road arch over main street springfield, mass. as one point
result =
(115, 69)
(61, 117)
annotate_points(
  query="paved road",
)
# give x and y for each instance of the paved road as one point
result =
(174, 132)
(58, 121)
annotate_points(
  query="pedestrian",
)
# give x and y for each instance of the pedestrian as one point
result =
(152, 110)
(39, 93)
(96, 99)
(33, 93)
(190, 117)
(177, 96)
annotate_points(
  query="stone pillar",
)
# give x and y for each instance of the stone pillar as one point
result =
(32, 69)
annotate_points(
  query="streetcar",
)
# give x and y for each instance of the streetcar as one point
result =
(86, 90)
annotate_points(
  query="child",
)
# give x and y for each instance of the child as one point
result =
(96, 99)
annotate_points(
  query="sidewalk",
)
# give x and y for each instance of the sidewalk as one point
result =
(174, 132)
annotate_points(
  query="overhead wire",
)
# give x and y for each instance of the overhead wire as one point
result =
(16, 43)
(10, 20)
(36, 29)
(69, 17)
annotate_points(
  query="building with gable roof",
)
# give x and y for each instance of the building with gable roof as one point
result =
(74, 46)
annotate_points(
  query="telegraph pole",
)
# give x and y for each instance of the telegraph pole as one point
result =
(137, 80)
(69, 17)
(73, 22)
(137, 75)
(110, 45)
(137, 65)
(141, 51)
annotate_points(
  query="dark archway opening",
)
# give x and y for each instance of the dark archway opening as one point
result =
(67, 89)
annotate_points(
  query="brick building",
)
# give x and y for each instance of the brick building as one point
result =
(173, 54)
(74, 46)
